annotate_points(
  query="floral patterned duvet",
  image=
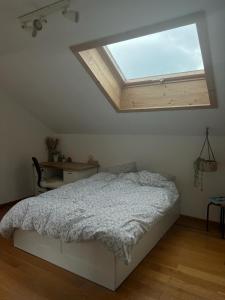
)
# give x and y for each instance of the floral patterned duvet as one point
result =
(114, 209)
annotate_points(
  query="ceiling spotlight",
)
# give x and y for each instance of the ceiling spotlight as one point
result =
(37, 26)
(71, 15)
(34, 20)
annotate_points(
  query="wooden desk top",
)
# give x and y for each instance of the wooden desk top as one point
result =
(68, 166)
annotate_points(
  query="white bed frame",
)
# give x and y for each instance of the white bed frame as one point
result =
(92, 260)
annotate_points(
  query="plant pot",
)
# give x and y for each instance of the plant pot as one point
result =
(207, 165)
(55, 157)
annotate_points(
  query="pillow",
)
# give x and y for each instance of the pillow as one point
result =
(169, 177)
(124, 168)
(151, 179)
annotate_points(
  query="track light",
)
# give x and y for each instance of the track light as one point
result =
(34, 20)
(71, 15)
(37, 26)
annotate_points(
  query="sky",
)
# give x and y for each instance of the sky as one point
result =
(171, 51)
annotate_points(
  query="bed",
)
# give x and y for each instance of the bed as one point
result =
(100, 227)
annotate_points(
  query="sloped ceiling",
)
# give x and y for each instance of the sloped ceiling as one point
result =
(43, 75)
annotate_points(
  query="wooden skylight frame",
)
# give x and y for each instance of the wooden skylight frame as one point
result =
(188, 90)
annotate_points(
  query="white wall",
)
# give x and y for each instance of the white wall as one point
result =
(21, 137)
(170, 154)
(44, 76)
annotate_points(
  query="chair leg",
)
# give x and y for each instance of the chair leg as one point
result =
(207, 218)
(222, 208)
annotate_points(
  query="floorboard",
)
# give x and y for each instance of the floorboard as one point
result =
(187, 264)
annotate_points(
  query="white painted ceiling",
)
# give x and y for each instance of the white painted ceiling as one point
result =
(43, 76)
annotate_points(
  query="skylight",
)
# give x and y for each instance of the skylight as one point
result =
(167, 52)
(155, 67)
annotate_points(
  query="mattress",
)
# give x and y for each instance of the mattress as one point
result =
(116, 210)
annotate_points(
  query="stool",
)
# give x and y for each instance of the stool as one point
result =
(217, 201)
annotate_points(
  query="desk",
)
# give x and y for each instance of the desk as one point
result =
(70, 171)
(68, 166)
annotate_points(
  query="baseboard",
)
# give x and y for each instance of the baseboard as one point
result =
(198, 219)
(13, 202)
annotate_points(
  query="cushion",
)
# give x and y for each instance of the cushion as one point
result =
(124, 168)
(51, 183)
(169, 177)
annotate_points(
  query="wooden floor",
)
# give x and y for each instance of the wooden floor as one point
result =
(187, 264)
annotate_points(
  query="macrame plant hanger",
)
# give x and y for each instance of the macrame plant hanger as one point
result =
(204, 165)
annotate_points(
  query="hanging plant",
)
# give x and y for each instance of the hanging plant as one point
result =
(202, 165)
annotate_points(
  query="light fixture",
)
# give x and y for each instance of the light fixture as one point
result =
(37, 26)
(34, 20)
(71, 15)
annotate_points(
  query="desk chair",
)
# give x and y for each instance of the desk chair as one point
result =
(47, 184)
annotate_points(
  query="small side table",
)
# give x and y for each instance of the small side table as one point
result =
(217, 201)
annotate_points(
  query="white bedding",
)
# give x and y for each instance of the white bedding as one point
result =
(114, 209)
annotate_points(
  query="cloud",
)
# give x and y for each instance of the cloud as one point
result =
(172, 51)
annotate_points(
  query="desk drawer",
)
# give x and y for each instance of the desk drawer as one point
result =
(72, 176)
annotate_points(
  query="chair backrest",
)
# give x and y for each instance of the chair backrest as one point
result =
(38, 170)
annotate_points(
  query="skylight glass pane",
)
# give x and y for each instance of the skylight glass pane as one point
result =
(167, 52)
